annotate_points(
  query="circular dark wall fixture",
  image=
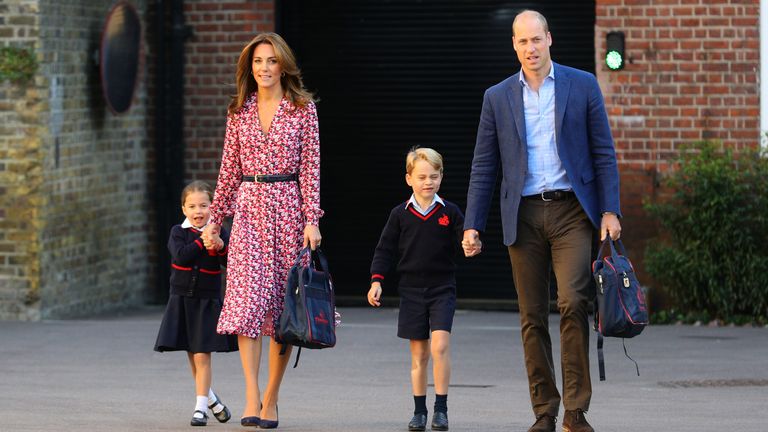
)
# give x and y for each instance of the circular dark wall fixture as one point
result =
(119, 56)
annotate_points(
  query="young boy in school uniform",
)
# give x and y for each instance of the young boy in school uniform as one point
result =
(422, 239)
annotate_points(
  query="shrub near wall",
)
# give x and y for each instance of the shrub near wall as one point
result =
(714, 262)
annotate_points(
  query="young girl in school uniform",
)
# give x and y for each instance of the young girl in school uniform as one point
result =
(194, 305)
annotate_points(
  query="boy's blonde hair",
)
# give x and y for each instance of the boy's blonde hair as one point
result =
(423, 153)
(196, 186)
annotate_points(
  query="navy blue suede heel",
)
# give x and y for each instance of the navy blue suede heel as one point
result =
(250, 421)
(270, 424)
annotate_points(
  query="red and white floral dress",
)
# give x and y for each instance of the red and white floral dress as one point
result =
(269, 218)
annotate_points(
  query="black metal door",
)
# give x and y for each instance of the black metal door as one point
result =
(394, 74)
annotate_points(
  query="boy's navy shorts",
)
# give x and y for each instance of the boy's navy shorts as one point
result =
(423, 310)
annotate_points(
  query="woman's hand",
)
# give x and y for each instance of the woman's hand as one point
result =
(210, 233)
(312, 236)
(213, 242)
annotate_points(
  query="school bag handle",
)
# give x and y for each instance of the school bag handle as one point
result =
(616, 246)
(317, 253)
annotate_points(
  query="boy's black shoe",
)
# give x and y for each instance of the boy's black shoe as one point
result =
(544, 423)
(574, 421)
(418, 423)
(198, 420)
(440, 421)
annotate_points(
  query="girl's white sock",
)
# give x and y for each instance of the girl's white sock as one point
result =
(212, 400)
(202, 404)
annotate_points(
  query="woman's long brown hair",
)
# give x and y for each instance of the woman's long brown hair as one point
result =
(291, 81)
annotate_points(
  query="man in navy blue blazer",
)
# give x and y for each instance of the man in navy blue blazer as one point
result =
(547, 129)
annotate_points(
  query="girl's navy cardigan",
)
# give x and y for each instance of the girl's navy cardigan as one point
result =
(195, 271)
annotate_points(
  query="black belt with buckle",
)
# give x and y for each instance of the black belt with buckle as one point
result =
(553, 195)
(270, 178)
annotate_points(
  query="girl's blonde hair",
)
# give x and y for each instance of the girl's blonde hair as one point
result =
(290, 79)
(196, 186)
(423, 153)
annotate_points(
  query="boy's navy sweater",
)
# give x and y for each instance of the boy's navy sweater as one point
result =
(425, 248)
(194, 271)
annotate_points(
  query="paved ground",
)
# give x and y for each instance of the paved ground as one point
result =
(102, 375)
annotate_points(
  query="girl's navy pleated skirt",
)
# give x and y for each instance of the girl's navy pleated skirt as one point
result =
(189, 324)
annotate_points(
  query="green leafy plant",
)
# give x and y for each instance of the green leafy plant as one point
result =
(17, 65)
(712, 259)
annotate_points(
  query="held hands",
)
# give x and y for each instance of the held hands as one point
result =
(471, 243)
(215, 243)
(211, 238)
(609, 224)
(312, 236)
(374, 294)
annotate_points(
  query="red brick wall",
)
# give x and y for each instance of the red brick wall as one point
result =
(220, 30)
(691, 75)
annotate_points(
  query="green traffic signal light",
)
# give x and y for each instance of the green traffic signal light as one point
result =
(614, 55)
(614, 60)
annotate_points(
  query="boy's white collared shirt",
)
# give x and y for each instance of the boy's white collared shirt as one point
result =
(188, 224)
(412, 202)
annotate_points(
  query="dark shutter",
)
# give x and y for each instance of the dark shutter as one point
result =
(394, 74)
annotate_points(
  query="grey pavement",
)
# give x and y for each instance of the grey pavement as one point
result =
(102, 375)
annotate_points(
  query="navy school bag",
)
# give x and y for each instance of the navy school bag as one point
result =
(620, 309)
(308, 317)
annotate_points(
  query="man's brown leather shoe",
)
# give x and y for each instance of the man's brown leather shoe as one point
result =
(574, 421)
(544, 423)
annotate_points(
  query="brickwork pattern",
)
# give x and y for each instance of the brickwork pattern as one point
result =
(20, 172)
(692, 74)
(94, 241)
(220, 30)
(83, 172)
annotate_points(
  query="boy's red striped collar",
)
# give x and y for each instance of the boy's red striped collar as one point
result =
(428, 215)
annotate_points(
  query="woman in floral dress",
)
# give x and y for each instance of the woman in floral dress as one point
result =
(271, 130)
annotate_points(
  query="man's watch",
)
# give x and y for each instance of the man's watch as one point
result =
(608, 213)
